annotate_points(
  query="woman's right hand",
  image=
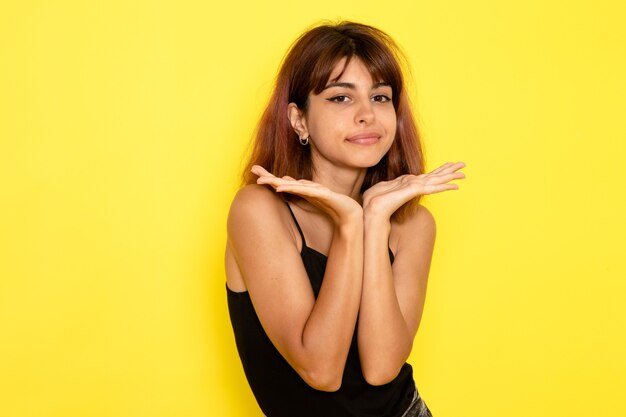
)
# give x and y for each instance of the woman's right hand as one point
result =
(341, 208)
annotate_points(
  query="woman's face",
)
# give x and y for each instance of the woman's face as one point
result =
(352, 122)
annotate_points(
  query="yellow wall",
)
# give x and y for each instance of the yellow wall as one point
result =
(122, 128)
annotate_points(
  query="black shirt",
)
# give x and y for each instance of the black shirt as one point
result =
(278, 388)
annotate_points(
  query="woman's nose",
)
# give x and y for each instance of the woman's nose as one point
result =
(365, 113)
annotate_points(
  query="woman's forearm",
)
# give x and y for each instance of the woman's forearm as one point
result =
(329, 330)
(383, 336)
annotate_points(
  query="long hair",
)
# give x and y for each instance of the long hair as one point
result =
(307, 68)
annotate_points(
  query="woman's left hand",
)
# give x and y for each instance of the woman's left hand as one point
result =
(385, 197)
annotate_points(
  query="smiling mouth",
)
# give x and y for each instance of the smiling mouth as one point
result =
(364, 139)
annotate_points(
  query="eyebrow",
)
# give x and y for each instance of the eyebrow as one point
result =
(353, 86)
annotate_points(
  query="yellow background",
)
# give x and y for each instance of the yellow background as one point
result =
(123, 125)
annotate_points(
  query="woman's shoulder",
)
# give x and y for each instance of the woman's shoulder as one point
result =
(256, 206)
(257, 227)
(417, 215)
(422, 217)
(419, 222)
(256, 197)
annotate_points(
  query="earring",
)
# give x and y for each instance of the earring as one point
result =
(304, 141)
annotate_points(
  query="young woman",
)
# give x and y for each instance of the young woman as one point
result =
(328, 251)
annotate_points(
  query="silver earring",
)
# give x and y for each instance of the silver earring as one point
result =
(304, 141)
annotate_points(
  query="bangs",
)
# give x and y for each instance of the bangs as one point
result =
(379, 60)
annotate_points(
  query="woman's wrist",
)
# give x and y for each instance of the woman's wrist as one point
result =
(350, 224)
(376, 220)
(350, 219)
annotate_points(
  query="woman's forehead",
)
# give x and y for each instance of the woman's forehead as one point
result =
(340, 68)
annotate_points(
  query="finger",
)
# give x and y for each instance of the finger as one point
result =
(270, 179)
(260, 171)
(453, 167)
(277, 182)
(311, 194)
(436, 188)
(257, 168)
(452, 176)
(441, 168)
(300, 186)
(439, 178)
(433, 189)
(448, 167)
(273, 182)
(301, 181)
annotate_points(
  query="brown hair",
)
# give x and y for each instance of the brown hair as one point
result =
(307, 68)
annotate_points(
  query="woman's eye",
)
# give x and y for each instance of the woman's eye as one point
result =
(339, 99)
(381, 98)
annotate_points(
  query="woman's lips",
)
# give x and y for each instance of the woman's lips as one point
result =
(364, 139)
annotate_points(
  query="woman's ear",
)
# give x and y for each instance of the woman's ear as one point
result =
(297, 120)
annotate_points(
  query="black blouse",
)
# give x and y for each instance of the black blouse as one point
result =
(278, 388)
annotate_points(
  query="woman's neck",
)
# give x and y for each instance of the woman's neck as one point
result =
(347, 181)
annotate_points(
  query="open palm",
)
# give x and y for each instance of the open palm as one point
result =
(385, 197)
(339, 207)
